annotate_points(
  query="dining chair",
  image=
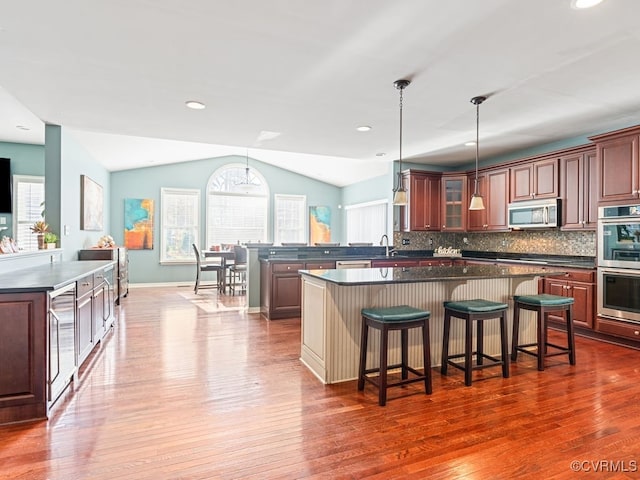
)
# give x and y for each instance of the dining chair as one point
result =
(215, 265)
(238, 271)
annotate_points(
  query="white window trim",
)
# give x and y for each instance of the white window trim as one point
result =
(16, 179)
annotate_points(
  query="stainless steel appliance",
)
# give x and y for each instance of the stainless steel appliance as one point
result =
(343, 264)
(619, 262)
(619, 294)
(534, 214)
(61, 341)
(619, 236)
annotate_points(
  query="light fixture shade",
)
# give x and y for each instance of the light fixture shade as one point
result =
(476, 202)
(400, 197)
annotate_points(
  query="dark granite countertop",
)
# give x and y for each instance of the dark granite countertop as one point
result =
(388, 275)
(52, 276)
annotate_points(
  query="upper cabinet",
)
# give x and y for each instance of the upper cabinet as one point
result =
(454, 203)
(423, 194)
(578, 190)
(536, 179)
(493, 185)
(618, 160)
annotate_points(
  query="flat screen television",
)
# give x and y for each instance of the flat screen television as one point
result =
(5, 185)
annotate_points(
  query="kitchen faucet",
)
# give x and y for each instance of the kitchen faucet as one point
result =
(386, 244)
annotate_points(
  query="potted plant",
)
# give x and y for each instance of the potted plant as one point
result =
(50, 239)
(40, 227)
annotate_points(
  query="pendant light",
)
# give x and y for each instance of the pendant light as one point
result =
(247, 186)
(399, 193)
(476, 199)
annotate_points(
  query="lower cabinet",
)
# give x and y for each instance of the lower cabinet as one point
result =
(281, 288)
(579, 284)
(84, 318)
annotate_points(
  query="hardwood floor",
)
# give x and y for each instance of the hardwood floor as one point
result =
(192, 387)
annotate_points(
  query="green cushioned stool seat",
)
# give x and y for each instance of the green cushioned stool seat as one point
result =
(476, 306)
(474, 313)
(544, 300)
(388, 319)
(542, 305)
(401, 313)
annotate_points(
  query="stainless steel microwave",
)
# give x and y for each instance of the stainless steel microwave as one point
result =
(534, 214)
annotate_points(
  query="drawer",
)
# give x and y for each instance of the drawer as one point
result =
(287, 267)
(84, 285)
(586, 276)
(619, 329)
(98, 278)
(320, 265)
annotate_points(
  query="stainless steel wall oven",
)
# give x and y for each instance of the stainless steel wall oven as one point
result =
(619, 262)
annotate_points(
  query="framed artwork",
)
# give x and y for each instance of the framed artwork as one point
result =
(91, 204)
(138, 223)
(319, 225)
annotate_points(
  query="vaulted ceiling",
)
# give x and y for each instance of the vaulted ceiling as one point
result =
(288, 81)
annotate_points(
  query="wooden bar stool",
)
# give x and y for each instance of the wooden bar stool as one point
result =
(542, 304)
(474, 311)
(401, 318)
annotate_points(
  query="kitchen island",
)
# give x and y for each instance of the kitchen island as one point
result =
(332, 300)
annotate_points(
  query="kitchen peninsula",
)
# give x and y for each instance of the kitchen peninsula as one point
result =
(332, 300)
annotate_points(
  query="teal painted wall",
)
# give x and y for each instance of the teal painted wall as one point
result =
(25, 160)
(66, 160)
(147, 182)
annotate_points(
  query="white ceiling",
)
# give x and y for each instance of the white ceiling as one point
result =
(116, 74)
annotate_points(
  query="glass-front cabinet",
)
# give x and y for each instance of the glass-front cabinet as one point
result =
(454, 203)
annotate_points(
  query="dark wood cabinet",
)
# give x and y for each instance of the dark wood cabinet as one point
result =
(121, 256)
(436, 262)
(579, 284)
(454, 203)
(618, 329)
(393, 263)
(423, 195)
(536, 179)
(23, 354)
(578, 190)
(493, 185)
(619, 169)
(280, 286)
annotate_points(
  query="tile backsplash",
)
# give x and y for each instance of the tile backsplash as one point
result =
(552, 242)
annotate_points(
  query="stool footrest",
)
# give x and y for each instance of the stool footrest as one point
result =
(460, 366)
(420, 377)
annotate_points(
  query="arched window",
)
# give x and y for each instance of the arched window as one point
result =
(237, 206)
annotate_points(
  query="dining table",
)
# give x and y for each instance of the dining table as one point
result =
(225, 257)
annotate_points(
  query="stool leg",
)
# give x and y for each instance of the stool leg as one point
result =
(445, 343)
(426, 352)
(570, 336)
(479, 342)
(468, 350)
(504, 345)
(384, 341)
(363, 353)
(516, 328)
(404, 348)
(541, 338)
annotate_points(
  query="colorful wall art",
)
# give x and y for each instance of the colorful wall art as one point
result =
(138, 223)
(319, 225)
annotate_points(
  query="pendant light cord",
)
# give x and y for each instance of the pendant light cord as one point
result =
(475, 189)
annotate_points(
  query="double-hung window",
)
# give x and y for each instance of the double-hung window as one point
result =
(28, 201)
(290, 218)
(180, 224)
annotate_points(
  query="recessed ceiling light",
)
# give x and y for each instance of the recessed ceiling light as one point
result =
(22, 127)
(581, 4)
(363, 128)
(470, 144)
(380, 154)
(195, 104)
